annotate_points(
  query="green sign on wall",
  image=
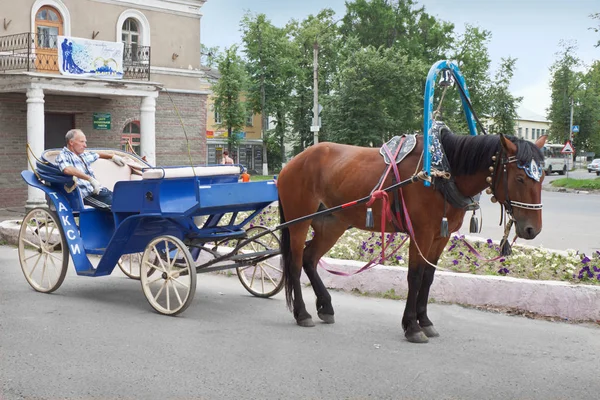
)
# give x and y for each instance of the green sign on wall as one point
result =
(102, 121)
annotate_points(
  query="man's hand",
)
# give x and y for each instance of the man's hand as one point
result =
(118, 160)
(96, 185)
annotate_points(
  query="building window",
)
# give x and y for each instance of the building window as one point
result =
(526, 133)
(250, 120)
(538, 133)
(133, 29)
(217, 118)
(48, 25)
(520, 132)
(131, 138)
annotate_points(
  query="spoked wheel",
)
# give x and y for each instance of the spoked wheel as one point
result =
(171, 287)
(130, 265)
(264, 278)
(43, 251)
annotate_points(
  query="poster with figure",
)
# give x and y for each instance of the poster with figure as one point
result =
(85, 57)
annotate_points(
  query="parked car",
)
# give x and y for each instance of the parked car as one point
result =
(594, 166)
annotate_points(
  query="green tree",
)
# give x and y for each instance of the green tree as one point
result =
(228, 92)
(209, 55)
(378, 95)
(565, 81)
(502, 104)
(472, 57)
(587, 111)
(399, 24)
(320, 29)
(270, 66)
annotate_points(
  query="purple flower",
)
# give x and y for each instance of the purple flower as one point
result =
(585, 260)
(455, 262)
(502, 260)
(503, 271)
(489, 241)
(451, 247)
(596, 269)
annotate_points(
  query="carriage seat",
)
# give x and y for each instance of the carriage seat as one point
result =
(106, 171)
(186, 172)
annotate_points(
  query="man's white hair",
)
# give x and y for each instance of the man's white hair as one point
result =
(71, 134)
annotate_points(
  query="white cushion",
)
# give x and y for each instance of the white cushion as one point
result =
(185, 172)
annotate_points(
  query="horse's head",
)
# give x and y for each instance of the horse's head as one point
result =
(516, 183)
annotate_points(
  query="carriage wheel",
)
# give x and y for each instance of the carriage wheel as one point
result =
(130, 265)
(262, 279)
(43, 251)
(171, 288)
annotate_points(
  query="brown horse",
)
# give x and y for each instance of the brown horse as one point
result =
(330, 174)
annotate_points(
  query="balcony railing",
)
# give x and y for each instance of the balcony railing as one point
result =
(38, 52)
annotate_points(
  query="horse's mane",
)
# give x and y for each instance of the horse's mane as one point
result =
(468, 154)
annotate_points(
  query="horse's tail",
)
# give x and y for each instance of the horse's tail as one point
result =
(286, 260)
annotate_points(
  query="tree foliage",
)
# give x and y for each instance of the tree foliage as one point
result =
(228, 92)
(564, 83)
(502, 104)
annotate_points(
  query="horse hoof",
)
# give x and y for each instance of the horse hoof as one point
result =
(306, 323)
(416, 337)
(430, 331)
(327, 318)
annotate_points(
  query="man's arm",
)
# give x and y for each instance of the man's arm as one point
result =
(75, 172)
(108, 156)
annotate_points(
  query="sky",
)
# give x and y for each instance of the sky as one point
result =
(528, 30)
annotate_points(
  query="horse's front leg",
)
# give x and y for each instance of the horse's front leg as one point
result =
(423, 297)
(416, 271)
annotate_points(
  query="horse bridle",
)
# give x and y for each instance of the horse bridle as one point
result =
(502, 159)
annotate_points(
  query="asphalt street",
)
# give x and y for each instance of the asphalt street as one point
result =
(98, 338)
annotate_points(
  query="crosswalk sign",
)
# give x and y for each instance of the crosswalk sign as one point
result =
(568, 148)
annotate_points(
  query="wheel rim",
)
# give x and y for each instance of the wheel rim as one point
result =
(168, 277)
(263, 279)
(43, 250)
(130, 265)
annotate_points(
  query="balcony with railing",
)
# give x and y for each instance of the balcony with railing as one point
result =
(39, 53)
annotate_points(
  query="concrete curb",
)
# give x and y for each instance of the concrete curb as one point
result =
(545, 298)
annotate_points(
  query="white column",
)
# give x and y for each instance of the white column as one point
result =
(148, 130)
(35, 139)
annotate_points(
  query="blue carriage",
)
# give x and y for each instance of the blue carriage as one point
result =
(165, 225)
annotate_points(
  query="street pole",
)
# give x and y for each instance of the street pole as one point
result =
(315, 122)
(570, 136)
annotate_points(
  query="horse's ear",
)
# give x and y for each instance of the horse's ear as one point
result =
(509, 146)
(541, 141)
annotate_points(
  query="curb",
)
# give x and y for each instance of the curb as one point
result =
(572, 302)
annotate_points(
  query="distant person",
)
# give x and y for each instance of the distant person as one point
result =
(245, 176)
(75, 161)
(226, 159)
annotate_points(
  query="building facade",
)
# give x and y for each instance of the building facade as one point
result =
(158, 107)
(531, 126)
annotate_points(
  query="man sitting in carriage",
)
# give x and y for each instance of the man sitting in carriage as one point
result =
(75, 161)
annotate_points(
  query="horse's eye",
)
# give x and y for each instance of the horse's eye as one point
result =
(520, 179)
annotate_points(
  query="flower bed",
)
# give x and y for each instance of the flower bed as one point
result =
(525, 262)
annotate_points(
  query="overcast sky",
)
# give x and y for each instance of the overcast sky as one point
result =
(529, 30)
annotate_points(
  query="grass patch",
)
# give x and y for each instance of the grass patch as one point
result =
(580, 184)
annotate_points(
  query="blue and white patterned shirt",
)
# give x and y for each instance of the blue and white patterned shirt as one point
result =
(67, 158)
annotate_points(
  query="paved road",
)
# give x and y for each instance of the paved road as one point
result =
(97, 338)
(570, 220)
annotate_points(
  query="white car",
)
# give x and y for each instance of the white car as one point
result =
(594, 166)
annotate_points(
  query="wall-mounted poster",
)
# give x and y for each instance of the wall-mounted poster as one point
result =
(85, 57)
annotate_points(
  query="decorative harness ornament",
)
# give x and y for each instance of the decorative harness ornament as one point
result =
(532, 170)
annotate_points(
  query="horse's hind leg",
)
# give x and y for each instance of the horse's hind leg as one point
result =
(294, 287)
(328, 230)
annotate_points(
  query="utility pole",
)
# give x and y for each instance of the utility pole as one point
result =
(570, 138)
(315, 122)
(263, 116)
